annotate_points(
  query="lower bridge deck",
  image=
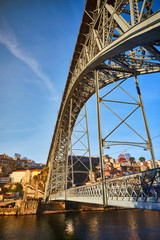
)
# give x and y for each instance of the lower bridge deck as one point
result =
(140, 190)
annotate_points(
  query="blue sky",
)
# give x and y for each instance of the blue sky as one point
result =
(37, 40)
(150, 90)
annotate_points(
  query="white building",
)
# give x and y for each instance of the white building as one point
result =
(17, 176)
(24, 175)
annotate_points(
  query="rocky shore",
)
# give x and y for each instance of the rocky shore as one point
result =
(23, 207)
(19, 207)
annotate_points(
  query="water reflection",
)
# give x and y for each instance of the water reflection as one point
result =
(69, 227)
(117, 224)
(92, 225)
(132, 226)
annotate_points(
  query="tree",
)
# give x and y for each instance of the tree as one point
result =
(142, 159)
(19, 188)
(132, 160)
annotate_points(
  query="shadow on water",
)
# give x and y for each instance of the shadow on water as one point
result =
(115, 224)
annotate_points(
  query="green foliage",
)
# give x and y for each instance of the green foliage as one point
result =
(44, 178)
(11, 190)
(18, 188)
(132, 160)
(45, 170)
(142, 159)
(35, 177)
(41, 179)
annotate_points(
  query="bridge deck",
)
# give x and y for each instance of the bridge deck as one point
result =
(140, 190)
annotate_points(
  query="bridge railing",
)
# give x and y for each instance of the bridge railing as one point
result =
(89, 193)
(57, 196)
(136, 188)
(141, 190)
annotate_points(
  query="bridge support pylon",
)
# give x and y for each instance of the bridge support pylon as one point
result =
(150, 146)
(100, 137)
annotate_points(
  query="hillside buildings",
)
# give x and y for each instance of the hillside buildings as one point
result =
(17, 169)
(5, 160)
(18, 162)
(122, 167)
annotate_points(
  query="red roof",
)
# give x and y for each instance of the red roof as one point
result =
(20, 171)
(34, 170)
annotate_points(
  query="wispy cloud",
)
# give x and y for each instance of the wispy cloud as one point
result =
(11, 43)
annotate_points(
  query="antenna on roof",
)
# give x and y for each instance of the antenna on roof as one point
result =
(84, 3)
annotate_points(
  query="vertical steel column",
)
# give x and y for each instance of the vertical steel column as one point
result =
(145, 121)
(51, 183)
(103, 28)
(47, 183)
(72, 165)
(57, 168)
(89, 152)
(68, 142)
(100, 136)
(64, 176)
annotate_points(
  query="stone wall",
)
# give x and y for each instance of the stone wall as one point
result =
(8, 211)
(21, 208)
(28, 207)
(24, 207)
(52, 207)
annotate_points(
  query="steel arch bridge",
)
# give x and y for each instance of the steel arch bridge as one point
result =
(118, 39)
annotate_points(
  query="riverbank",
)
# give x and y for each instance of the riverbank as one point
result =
(30, 207)
(19, 207)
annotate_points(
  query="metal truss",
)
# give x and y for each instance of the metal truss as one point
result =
(118, 38)
(104, 142)
(79, 143)
(56, 182)
(62, 171)
(107, 144)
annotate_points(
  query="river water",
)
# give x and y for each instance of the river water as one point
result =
(113, 224)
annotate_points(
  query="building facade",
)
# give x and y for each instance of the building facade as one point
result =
(5, 160)
(24, 176)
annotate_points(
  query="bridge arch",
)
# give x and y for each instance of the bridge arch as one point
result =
(117, 38)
